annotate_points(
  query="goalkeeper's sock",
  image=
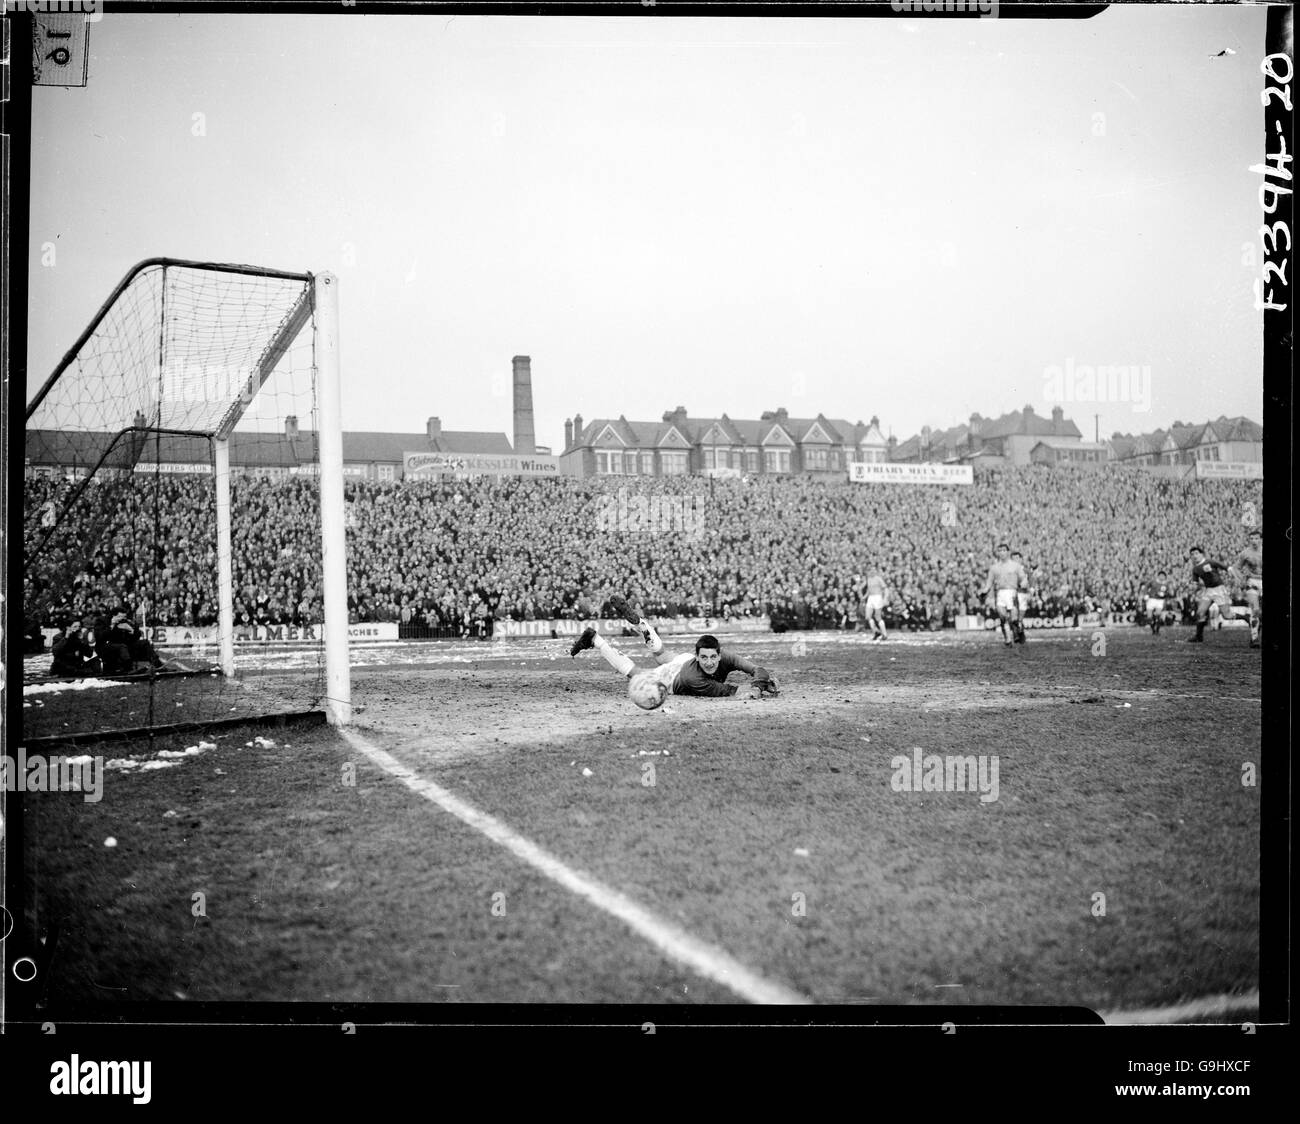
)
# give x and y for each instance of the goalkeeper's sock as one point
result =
(612, 656)
(652, 640)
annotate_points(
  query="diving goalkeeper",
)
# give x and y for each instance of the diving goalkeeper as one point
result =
(702, 672)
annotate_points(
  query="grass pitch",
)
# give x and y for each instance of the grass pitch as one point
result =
(1117, 868)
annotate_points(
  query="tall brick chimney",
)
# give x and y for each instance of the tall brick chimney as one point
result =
(568, 432)
(525, 439)
(577, 427)
(291, 427)
(1058, 419)
(433, 427)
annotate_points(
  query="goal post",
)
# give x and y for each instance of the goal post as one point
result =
(338, 699)
(166, 475)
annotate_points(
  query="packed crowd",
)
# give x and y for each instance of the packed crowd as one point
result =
(453, 555)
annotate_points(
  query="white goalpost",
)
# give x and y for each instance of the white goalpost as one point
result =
(332, 517)
(194, 369)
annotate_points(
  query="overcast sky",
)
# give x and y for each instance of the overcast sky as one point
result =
(911, 218)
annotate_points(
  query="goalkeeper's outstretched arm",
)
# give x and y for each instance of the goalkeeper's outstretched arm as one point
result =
(763, 680)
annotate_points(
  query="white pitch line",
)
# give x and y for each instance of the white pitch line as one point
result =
(1212, 1007)
(700, 956)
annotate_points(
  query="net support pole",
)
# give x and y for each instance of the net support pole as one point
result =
(225, 574)
(338, 702)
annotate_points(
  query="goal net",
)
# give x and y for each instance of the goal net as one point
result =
(175, 538)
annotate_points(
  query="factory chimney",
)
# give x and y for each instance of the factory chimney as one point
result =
(525, 440)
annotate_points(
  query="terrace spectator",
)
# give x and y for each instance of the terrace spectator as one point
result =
(527, 549)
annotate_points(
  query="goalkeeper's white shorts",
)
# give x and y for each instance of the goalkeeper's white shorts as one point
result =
(1006, 599)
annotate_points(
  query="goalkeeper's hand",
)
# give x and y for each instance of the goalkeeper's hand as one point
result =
(764, 688)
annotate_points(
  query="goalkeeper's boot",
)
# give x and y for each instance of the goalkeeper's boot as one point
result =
(630, 613)
(585, 641)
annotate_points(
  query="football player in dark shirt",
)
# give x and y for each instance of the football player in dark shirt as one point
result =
(1212, 577)
(1158, 594)
(702, 672)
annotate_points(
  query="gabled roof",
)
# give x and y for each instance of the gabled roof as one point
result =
(1148, 443)
(855, 434)
(768, 428)
(633, 434)
(817, 428)
(949, 438)
(1233, 429)
(1020, 423)
(1122, 447)
(727, 433)
(614, 428)
(733, 431)
(907, 450)
(1184, 436)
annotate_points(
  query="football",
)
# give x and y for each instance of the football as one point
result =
(646, 691)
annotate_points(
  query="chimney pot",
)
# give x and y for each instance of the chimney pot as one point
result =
(291, 426)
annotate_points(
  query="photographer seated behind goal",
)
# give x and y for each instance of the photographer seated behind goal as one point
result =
(126, 637)
(74, 652)
(114, 656)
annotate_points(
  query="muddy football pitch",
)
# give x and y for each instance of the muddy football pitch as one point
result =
(935, 819)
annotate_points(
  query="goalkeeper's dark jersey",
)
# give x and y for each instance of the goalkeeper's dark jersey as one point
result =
(1209, 574)
(694, 680)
